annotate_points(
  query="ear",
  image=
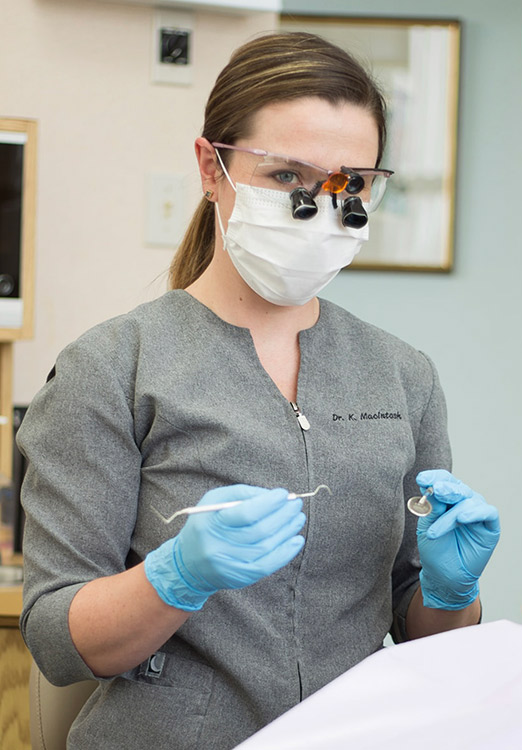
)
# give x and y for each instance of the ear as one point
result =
(209, 168)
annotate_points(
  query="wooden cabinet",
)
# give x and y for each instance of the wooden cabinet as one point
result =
(15, 666)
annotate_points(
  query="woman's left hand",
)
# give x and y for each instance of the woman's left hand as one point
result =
(455, 541)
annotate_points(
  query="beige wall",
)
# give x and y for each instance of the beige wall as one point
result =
(82, 69)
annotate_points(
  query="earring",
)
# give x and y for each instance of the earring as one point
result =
(209, 194)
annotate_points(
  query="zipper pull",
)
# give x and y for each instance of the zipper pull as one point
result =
(303, 422)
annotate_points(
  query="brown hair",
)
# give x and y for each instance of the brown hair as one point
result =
(270, 68)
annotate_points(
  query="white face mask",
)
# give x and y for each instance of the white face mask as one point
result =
(287, 261)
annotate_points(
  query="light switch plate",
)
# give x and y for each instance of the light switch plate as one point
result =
(165, 209)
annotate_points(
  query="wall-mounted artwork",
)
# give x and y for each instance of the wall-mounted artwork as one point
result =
(416, 64)
(17, 220)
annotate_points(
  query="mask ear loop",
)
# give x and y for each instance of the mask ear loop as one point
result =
(234, 188)
(222, 165)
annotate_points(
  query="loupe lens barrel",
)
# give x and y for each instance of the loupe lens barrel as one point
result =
(353, 214)
(355, 184)
(303, 205)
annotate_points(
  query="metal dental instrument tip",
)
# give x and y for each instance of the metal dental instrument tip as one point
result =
(295, 495)
(223, 506)
(421, 506)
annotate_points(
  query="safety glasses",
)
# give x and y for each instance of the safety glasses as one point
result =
(279, 172)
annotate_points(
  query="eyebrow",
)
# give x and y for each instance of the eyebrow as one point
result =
(292, 162)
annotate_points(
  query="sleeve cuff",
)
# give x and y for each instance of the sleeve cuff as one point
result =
(47, 622)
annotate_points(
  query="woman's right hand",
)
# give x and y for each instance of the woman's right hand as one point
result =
(227, 549)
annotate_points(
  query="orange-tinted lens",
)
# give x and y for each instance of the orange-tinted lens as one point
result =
(336, 183)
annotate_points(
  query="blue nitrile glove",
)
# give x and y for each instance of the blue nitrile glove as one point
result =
(455, 541)
(227, 549)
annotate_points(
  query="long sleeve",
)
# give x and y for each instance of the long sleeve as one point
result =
(79, 495)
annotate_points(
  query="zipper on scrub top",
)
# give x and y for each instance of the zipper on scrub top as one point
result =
(303, 422)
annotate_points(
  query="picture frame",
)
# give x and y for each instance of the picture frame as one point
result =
(416, 65)
(17, 226)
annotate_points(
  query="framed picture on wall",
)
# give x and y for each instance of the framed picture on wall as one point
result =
(17, 226)
(416, 64)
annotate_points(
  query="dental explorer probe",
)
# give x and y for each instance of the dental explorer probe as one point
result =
(223, 506)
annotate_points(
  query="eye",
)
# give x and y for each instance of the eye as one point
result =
(286, 178)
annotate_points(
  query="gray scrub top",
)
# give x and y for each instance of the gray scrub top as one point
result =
(156, 407)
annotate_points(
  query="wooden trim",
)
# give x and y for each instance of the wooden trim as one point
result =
(371, 20)
(6, 411)
(10, 604)
(453, 118)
